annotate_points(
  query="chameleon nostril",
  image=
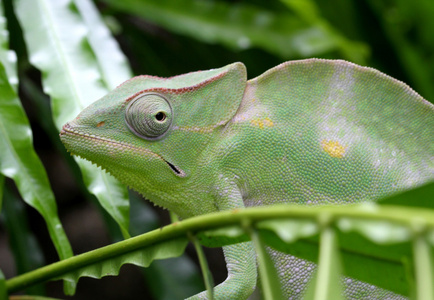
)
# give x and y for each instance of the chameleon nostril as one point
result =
(100, 124)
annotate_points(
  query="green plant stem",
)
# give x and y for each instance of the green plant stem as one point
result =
(423, 269)
(60, 268)
(327, 265)
(207, 277)
(269, 280)
(401, 215)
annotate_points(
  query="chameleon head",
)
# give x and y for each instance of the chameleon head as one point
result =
(124, 138)
(150, 132)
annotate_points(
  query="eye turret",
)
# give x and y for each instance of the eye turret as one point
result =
(149, 116)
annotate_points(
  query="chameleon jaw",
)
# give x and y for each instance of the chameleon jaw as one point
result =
(69, 131)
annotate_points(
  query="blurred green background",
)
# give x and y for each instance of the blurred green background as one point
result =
(171, 37)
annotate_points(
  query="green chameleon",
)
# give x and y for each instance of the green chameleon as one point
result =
(308, 132)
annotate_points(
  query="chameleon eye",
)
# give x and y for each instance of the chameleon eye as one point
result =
(149, 116)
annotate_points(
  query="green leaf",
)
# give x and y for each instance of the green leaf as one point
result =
(58, 43)
(240, 26)
(223, 236)
(401, 216)
(380, 232)
(418, 197)
(309, 12)
(110, 266)
(30, 297)
(367, 246)
(7, 57)
(140, 250)
(174, 278)
(408, 28)
(290, 231)
(19, 161)
(21, 239)
(3, 290)
(383, 265)
(113, 64)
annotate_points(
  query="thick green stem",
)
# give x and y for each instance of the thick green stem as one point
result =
(404, 216)
(328, 267)
(60, 268)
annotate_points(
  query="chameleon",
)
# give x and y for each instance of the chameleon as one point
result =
(308, 132)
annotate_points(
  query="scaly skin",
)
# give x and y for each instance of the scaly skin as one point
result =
(308, 132)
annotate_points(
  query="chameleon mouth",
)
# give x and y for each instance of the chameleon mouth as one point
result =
(70, 131)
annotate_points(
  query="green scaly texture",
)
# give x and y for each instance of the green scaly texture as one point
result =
(309, 132)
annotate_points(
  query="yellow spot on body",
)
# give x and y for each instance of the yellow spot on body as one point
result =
(100, 124)
(261, 123)
(333, 148)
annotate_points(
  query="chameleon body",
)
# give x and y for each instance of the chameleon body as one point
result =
(308, 132)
